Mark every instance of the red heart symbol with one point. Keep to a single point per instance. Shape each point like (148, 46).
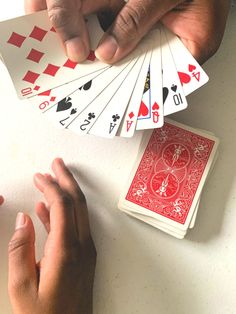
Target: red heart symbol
(143, 110)
(184, 78)
(191, 67)
(155, 106)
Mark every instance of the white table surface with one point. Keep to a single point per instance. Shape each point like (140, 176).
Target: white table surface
(139, 269)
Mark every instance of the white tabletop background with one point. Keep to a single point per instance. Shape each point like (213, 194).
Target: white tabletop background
(139, 269)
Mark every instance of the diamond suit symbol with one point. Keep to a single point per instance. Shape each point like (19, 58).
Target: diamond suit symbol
(16, 39)
(38, 33)
(51, 69)
(35, 55)
(31, 77)
(70, 64)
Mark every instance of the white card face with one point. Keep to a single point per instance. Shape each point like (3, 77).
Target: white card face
(41, 61)
(110, 119)
(63, 112)
(151, 113)
(68, 109)
(84, 121)
(48, 99)
(127, 127)
(191, 75)
(174, 99)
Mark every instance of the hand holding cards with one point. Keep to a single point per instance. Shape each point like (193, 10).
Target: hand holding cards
(93, 97)
(167, 180)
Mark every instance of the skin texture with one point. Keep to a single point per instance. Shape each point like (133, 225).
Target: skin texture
(62, 281)
(1, 199)
(199, 23)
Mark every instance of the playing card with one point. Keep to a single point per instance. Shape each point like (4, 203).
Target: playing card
(110, 119)
(168, 177)
(85, 119)
(63, 112)
(193, 220)
(35, 58)
(151, 113)
(151, 221)
(128, 123)
(49, 98)
(174, 99)
(191, 75)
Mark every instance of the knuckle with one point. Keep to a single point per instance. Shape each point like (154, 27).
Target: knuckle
(129, 20)
(59, 16)
(65, 201)
(16, 244)
(70, 255)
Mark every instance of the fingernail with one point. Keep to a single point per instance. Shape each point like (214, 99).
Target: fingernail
(61, 161)
(39, 176)
(107, 48)
(76, 49)
(20, 220)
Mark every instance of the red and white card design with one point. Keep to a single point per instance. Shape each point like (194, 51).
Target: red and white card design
(35, 58)
(169, 174)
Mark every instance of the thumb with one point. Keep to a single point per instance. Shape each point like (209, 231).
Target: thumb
(22, 279)
(135, 19)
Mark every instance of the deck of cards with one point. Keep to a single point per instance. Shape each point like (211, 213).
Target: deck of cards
(167, 179)
(93, 97)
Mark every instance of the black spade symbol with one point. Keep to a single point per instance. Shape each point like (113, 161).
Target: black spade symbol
(64, 104)
(174, 88)
(165, 93)
(73, 111)
(86, 86)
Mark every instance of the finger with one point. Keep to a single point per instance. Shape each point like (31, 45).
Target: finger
(67, 18)
(35, 5)
(68, 183)
(22, 280)
(61, 208)
(1, 199)
(132, 23)
(43, 214)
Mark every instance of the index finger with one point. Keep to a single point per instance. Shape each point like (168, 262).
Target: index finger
(67, 18)
(68, 183)
(61, 207)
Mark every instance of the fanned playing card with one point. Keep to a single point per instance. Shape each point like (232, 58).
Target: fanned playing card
(151, 113)
(168, 177)
(46, 100)
(128, 124)
(67, 109)
(191, 75)
(35, 58)
(110, 119)
(94, 97)
(174, 99)
(85, 119)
